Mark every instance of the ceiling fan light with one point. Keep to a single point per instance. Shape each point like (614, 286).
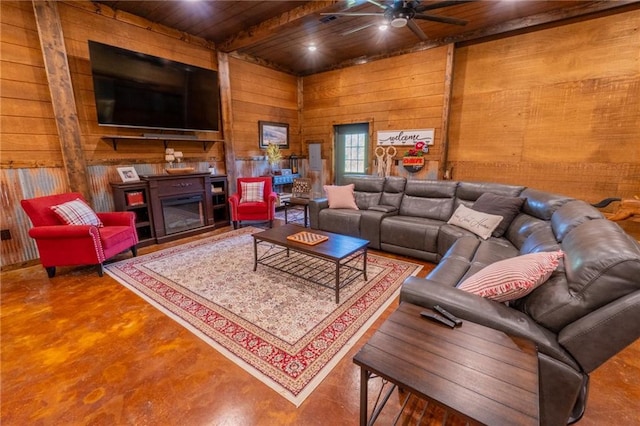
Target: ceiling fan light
(383, 27)
(398, 22)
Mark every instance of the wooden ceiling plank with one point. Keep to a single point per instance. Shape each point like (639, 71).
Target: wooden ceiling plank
(269, 27)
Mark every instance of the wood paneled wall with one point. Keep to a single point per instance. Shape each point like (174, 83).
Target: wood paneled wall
(556, 109)
(402, 92)
(261, 94)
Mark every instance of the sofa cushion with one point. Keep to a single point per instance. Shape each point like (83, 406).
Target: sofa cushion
(367, 189)
(410, 232)
(513, 278)
(481, 224)
(570, 215)
(429, 199)
(341, 197)
(77, 212)
(340, 221)
(602, 264)
(542, 204)
(507, 207)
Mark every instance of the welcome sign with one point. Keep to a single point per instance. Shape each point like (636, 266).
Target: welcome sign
(405, 137)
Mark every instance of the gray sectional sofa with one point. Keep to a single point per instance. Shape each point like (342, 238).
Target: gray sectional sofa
(586, 312)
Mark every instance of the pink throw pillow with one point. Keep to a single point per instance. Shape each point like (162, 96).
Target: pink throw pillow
(512, 278)
(341, 197)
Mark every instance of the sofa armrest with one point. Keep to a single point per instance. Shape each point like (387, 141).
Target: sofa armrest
(272, 202)
(315, 206)
(471, 307)
(370, 221)
(117, 218)
(601, 334)
(57, 232)
(383, 208)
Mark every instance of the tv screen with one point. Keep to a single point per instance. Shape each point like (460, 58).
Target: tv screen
(139, 90)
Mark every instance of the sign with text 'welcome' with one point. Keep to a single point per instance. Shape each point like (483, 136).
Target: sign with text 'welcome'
(405, 137)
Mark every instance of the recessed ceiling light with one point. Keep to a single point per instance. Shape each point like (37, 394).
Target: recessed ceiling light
(383, 27)
(312, 48)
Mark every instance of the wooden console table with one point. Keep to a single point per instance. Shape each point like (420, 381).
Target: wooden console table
(472, 371)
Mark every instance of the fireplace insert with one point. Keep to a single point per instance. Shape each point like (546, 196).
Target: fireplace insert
(182, 213)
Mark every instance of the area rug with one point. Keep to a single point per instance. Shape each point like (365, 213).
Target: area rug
(285, 331)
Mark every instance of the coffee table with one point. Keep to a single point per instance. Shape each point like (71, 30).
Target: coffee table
(333, 263)
(475, 372)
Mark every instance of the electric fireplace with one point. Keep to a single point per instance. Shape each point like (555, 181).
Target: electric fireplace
(182, 214)
(181, 204)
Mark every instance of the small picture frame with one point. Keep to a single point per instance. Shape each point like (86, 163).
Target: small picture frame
(270, 132)
(128, 174)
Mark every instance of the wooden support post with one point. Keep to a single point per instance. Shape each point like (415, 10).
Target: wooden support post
(62, 97)
(227, 121)
(446, 110)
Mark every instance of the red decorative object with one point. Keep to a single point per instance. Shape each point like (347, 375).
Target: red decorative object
(69, 245)
(262, 210)
(135, 198)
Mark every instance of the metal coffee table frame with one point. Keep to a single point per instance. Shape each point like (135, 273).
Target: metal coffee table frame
(334, 263)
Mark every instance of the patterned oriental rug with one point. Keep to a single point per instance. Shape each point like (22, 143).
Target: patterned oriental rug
(285, 331)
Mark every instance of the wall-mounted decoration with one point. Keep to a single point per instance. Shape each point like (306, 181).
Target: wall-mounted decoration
(275, 133)
(413, 160)
(406, 137)
(128, 174)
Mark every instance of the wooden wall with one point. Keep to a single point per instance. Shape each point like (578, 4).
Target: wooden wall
(557, 109)
(30, 153)
(261, 94)
(402, 92)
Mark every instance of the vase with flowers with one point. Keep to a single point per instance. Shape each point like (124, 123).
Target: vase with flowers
(274, 155)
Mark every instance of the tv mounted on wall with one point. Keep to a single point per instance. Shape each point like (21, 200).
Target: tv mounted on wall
(138, 90)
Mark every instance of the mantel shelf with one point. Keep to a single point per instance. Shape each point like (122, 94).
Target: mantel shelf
(164, 138)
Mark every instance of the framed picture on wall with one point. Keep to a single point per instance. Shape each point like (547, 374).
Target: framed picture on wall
(128, 174)
(270, 132)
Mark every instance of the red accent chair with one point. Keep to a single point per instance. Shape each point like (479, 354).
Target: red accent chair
(253, 210)
(60, 244)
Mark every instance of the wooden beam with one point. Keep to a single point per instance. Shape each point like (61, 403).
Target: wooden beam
(227, 120)
(269, 27)
(446, 110)
(62, 97)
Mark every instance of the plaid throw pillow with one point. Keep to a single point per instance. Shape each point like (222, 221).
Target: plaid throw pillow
(77, 212)
(252, 192)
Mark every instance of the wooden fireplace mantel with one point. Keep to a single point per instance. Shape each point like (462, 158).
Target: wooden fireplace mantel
(166, 187)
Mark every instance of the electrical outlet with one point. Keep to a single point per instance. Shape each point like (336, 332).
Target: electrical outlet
(5, 234)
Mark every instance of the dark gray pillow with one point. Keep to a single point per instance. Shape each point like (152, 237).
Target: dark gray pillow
(501, 205)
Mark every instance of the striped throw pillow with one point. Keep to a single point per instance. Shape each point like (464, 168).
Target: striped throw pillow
(513, 278)
(252, 192)
(77, 212)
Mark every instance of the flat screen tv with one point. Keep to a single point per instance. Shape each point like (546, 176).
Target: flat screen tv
(139, 90)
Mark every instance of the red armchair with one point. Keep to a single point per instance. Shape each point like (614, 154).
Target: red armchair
(248, 205)
(60, 244)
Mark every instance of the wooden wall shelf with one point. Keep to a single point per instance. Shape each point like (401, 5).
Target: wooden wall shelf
(164, 138)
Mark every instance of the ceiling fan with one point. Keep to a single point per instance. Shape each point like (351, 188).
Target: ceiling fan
(402, 13)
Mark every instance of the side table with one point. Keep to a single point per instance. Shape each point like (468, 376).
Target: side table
(474, 372)
(296, 203)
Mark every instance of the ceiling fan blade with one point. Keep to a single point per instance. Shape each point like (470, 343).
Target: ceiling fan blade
(417, 30)
(423, 7)
(353, 14)
(442, 19)
(381, 6)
